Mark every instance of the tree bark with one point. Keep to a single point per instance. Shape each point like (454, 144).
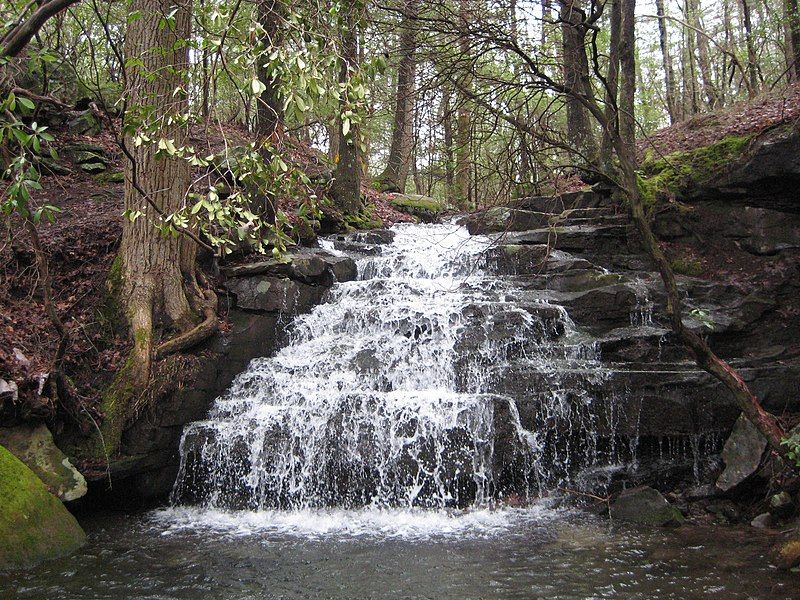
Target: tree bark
(395, 175)
(612, 87)
(703, 53)
(154, 265)
(447, 125)
(463, 135)
(346, 187)
(576, 80)
(669, 71)
(269, 111)
(752, 61)
(793, 37)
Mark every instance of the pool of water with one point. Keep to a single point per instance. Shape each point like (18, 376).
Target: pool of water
(508, 553)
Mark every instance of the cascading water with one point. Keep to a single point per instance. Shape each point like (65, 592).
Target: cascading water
(390, 393)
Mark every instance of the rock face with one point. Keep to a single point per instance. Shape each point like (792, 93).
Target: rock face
(577, 252)
(645, 506)
(34, 446)
(742, 454)
(263, 298)
(34, 525)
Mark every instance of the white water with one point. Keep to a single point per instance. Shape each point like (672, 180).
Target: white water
(381, 405)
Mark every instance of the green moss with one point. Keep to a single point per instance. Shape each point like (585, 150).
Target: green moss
(34, 525)
(678, 172)
(685, 265)
(363, 219)
(110, 177)
(411, 201)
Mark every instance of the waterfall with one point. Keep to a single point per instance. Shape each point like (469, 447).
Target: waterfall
(391, 393)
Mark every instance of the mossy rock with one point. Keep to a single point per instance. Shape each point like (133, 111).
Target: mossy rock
(425, 208)
(34, 446)
(110, 177)
(34, 525)
(685, 265)
(679, 172)
(363, 219)
(93, 168)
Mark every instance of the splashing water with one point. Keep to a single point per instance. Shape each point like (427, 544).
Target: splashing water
(387, 394)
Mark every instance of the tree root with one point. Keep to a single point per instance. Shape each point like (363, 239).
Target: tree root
(196, 335)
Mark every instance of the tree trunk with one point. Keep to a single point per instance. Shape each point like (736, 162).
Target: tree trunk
(154, 265)
(612, 88)
(752, 61)
(394, 177)
(669, 71)
(576, 80)
(793, 37)
(346, 187)
(463, 137)
(703, 52)
(269, 108)
(627, 71)
(447, 125)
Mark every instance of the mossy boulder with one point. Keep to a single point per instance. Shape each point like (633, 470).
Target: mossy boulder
(34, 525)
(425, 208)
(34, 446)
(677, 174)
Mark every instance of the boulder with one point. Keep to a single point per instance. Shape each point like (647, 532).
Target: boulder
(426, 209)
(762, 521)
(741, 454)
(34, 525)
(646, 506)
(84, 123)
(266, 294)
(34, 446)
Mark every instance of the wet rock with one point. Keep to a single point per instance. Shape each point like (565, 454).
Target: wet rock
(34, 446)
(741, 454)
(375, 236)
(309, 269)
(646, 506)
(34, 525)
(762, 521)
(781, 504)
(267, 294)
(343, 267)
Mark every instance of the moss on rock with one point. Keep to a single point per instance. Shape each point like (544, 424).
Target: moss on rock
(34, 525)
(423, 207)
(677, 173)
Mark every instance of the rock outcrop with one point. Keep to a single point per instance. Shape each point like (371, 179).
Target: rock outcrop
(34, 525)
(577, 251)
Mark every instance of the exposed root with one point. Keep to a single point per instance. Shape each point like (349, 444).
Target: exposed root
(198, 334)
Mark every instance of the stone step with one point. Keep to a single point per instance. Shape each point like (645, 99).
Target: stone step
(501, 219)
(557, 204)
(581, 239)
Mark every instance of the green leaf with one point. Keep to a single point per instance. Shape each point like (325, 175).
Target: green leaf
(26, 103)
